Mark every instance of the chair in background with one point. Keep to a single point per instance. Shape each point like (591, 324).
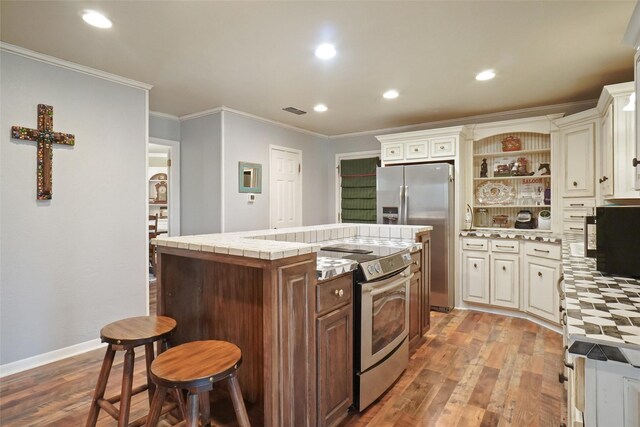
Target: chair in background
(153, 233)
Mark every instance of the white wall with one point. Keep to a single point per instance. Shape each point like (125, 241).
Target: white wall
(77, 262)
(164, 127)
(200, 178)
(247, 139)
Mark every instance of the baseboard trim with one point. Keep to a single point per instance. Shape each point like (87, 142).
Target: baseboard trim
(45, 358)
(509, 313)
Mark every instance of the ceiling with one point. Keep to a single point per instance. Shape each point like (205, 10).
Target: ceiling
(258, 57)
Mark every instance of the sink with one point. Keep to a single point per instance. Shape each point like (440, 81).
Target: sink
(577, 249)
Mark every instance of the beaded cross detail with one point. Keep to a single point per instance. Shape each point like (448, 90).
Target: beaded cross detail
(46, 137)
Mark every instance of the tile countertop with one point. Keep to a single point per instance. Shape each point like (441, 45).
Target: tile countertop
(514, 234)
(284, 243)
(602, 311)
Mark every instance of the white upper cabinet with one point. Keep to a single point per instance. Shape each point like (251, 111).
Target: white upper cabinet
(577, 139)
(632, 38)
(617, 143)
(421, 146)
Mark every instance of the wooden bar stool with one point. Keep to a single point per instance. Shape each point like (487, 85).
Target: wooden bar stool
(195, 367)
(125, 335)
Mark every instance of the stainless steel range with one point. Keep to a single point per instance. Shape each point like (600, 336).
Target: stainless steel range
(381, 313)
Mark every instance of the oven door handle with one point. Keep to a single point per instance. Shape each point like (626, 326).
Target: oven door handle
(383, 289)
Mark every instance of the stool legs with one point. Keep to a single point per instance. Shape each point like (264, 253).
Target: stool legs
(156, 406)
(238, 403)
(205, 409)
(149, 356)
(101, 386)
(192, 409)
(127, 383)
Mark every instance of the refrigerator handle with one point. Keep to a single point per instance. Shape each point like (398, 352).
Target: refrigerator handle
(406, 205)
(400, 208)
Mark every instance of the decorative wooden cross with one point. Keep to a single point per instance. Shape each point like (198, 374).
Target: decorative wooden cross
(45, 136)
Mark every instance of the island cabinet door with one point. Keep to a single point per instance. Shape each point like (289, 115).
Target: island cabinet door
(414, 309)
(335, 365)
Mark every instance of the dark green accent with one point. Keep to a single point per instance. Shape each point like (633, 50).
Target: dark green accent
(359, 190)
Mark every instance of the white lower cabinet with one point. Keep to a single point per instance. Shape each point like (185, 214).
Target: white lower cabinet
(491, 272)
(475, 276)
(612, 394)
(540, 287)
(505, 280)
(509, 273)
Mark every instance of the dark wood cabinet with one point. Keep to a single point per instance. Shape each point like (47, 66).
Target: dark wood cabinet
(334, 334)
(415, 292)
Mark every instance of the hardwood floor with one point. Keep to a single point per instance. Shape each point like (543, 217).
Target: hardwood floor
(475, 369)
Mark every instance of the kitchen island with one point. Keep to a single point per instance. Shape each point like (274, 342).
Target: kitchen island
(258, 290)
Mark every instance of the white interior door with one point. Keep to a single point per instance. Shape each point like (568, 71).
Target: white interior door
(285, 187)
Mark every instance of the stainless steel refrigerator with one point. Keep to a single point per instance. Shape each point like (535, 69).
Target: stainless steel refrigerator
(423, 195)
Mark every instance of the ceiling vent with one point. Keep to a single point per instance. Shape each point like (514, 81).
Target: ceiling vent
(294, 110)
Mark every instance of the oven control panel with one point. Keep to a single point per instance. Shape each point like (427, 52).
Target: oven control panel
(385, 265)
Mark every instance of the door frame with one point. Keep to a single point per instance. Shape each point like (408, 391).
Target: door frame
(338, 181)
(273, 147)
(174, 183)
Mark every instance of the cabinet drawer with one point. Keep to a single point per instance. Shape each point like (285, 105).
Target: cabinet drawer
(512, 246)
(475, 244)
(393, 152)
(542, 250)
(416, 263)
(576, 214)
(443, 147)
(573, 227)
(333, 293)
(579, 203)
(417, 150)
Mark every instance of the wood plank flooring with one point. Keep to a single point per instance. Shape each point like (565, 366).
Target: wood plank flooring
(475, 369)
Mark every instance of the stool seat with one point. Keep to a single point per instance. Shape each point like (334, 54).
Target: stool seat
(196, 364)
(138, 330)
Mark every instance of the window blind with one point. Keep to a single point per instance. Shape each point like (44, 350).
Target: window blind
(358, 184)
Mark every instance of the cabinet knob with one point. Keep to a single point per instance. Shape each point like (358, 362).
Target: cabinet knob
(635, 162)
(475, 265)
(393, 152)
(415, 149)
(539, 274)
(442, 147)
(338, 292)
(562, 378)
(575, 184)
(603, 179)
(504, 268)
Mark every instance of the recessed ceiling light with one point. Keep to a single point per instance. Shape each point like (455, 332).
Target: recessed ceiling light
(391, 94)
(485, 75)
(96, 19)
(326, 51)
(320, 108)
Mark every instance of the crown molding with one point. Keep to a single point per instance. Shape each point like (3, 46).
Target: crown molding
(611, 91)
(200, 114)
(163, 115)
(251, 116)
(51, 60)
(470, 120)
